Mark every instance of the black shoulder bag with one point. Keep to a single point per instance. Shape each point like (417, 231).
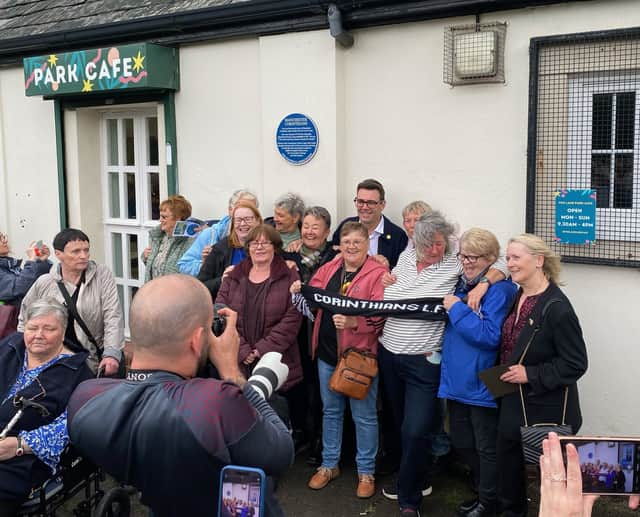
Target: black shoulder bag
(73, 310)
(532, 435)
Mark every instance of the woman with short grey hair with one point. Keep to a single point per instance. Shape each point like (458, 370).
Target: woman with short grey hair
(288, 211)
(36, 365)
(46, 306)
(410, 353)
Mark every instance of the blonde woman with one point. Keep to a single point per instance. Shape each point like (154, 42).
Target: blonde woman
(542, 318)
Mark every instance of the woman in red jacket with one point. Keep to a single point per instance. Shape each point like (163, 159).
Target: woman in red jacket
(352, 273)
(258, 290)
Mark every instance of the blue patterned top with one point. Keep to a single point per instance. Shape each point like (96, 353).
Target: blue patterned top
(48, 441)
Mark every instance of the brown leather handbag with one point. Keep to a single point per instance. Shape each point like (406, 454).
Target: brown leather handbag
(354, 374)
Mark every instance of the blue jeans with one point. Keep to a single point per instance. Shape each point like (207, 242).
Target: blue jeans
(412, 385)
(365, 418)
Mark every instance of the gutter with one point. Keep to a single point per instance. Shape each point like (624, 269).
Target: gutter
(250, 18)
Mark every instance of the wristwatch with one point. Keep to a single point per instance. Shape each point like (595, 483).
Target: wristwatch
(20, 448)
(484, 280)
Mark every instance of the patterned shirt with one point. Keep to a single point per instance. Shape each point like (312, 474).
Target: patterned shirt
(511, 328)
(48, 441)
(413, 337)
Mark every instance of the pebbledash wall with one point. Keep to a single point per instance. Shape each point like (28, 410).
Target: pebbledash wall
(383, 111)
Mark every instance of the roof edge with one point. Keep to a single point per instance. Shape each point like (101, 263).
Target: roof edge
(255, 18)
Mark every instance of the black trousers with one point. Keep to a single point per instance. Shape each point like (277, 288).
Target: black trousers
(474, 431)
(512, 477)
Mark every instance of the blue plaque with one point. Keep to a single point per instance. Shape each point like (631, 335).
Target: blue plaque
(575, 216)
(297, 138)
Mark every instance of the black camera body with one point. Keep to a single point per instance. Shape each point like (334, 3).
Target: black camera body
(219, 321)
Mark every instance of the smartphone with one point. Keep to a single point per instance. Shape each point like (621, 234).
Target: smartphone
(241, 492)
(37, 248)
(609, 466)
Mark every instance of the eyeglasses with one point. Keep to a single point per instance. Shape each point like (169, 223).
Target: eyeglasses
(471, 259)
(370, 203)
(260, 244)
(241, 220)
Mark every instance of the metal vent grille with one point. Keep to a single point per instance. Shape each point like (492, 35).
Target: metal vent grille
(474, 53)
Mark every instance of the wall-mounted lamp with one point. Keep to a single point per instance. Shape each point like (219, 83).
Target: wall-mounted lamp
(474, 54)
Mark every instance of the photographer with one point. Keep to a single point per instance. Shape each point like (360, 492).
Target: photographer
(170, 434)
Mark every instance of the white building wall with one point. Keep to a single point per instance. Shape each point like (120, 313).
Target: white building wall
(28, 166)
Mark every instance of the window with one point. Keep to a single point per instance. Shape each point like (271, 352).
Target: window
(584, 133)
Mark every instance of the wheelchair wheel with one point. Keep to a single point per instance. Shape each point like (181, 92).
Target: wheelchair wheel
(115, 503)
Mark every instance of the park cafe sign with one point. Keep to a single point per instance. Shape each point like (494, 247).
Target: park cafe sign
(139, 66)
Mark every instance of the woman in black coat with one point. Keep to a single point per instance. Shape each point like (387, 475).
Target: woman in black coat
(543, 345)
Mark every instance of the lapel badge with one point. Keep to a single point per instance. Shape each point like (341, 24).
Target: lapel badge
(388, 236)
(530, 322)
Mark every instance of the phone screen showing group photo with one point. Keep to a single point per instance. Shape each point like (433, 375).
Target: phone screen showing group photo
(608, 466)
(241, 494)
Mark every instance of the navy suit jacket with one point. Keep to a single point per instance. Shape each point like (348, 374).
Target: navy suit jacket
(390, 244)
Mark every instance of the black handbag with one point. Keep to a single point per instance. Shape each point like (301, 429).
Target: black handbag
(532, 435)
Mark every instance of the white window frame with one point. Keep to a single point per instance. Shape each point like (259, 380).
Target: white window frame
(611, 223)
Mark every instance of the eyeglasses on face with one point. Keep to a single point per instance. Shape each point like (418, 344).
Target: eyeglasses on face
(471, 259)
(260, 244)
(244, 220)
(355, 242)
(370, 203)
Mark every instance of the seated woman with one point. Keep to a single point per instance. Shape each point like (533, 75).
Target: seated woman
(161, 258)
(36, 366)
(470, 345)
(258, 290)
(352, 273)
(229, 251)
(542, 345)
(17, 277)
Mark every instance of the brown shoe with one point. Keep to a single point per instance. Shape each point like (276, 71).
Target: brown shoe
(366, 486)
(322, 477)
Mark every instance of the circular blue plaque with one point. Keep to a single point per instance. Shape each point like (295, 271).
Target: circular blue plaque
(297, 138)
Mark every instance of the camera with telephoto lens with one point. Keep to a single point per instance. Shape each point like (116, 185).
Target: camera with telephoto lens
(219, 321)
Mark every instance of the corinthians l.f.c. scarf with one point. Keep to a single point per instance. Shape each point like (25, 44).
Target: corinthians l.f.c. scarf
(413, 308)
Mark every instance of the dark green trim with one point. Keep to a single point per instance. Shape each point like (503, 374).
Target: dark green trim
(62, 178)
(171, 139)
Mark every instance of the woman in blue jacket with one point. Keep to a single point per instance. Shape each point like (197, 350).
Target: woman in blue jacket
(17, 277)
(470, 345)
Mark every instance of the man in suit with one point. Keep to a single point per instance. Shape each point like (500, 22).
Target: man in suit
(386, 240)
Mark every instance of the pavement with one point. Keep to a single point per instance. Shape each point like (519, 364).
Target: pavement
(338, 499)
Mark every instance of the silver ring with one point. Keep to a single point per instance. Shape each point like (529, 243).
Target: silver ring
(557, 477)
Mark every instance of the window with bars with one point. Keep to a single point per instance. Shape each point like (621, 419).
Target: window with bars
(584, 133)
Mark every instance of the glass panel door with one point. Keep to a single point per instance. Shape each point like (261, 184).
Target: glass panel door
(132, 183)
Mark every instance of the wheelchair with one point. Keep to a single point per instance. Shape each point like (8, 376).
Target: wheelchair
(75, 475)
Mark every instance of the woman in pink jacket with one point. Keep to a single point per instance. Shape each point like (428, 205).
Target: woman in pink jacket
(352, 273)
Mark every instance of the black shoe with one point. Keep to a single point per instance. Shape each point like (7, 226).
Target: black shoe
(314, 458)
(481, 510)
(467, 506)
(391, 491)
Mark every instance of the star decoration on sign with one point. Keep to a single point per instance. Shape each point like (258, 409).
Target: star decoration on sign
(87, 86)
(53, 60)
(138, 62)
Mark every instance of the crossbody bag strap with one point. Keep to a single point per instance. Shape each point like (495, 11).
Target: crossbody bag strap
(71, 306)
(543, 315)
